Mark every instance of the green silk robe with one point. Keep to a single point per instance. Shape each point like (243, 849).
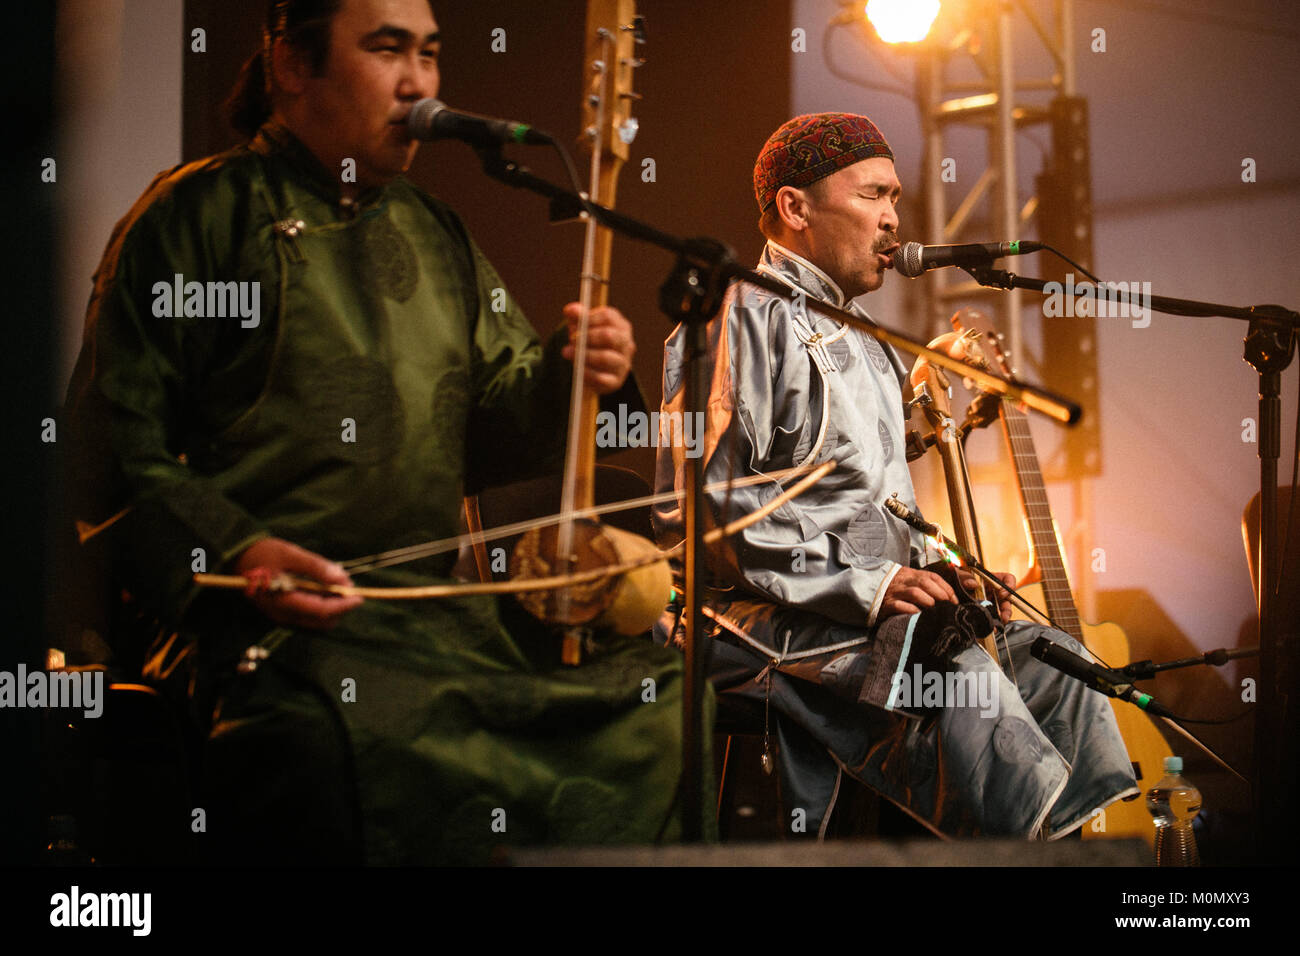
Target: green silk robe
(372, 367)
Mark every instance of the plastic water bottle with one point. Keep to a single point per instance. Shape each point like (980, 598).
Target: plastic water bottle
(1174, 803)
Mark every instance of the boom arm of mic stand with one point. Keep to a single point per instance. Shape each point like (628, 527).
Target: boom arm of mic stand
(1039, 399)
(713, 258)
(1145, 670)
(1272, 315)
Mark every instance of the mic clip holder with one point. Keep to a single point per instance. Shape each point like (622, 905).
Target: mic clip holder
(564, 205)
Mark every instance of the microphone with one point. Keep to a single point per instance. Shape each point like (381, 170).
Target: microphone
(1099, 678)
(431, 119)
(912, 258)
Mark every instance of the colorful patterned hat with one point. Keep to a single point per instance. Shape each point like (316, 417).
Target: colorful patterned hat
(811, 147)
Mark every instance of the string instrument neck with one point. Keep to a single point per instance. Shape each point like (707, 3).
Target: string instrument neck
(1038, 516)
(612, 33)
(932, 381)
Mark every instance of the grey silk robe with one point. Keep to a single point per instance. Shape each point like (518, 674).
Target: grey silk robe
(794, 598)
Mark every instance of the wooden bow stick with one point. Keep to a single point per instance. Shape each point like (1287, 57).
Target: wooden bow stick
(256, 582)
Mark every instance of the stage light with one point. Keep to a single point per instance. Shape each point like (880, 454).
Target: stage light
(902, 21)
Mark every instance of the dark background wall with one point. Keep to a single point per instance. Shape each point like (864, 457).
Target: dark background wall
(26, 359)
(715, 83)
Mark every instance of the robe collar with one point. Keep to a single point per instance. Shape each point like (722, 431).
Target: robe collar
(793, 267)
(275, 140)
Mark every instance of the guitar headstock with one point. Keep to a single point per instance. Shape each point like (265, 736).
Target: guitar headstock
(975, 322)
(614, 37)
(961, 344)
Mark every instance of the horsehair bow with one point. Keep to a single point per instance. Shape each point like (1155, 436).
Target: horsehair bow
(430, 548)
(262, 580)
(86, 531)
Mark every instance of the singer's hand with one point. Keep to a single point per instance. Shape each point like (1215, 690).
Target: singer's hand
(610, 346)
(912, 590)
(1003, 597)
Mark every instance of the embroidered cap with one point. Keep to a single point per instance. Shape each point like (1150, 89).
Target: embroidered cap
(811, 147)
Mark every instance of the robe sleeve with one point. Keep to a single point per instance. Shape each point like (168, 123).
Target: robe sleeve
(517, 428)
(130, 404)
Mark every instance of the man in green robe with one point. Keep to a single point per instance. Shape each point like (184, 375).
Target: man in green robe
(293, 357)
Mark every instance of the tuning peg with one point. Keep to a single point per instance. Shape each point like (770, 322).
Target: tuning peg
(638, 30)
(627, 129)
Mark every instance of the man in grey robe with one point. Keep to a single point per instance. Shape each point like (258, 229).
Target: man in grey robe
(823, 612)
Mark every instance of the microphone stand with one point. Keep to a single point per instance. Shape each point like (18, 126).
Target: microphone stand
(1270, 343)
(1119, 684)
(1145, 670)
(693, 293)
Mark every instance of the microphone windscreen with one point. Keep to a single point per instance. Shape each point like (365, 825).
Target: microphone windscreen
(420, 121)
(907, 259)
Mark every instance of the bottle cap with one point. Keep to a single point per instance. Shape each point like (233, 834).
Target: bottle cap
(1173, 765)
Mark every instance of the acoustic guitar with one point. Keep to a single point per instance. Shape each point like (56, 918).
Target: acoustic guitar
(1147, 748)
